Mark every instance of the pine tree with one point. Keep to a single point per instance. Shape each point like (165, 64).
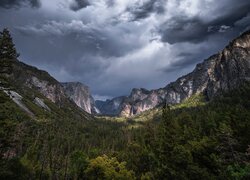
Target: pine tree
(7, 47)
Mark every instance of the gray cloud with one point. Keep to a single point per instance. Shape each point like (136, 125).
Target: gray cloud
(83, 38)
(114, 46)
(79, 4)
(141, 11)
(180, 29)
(18, 3)
(197, 29)
(110, 3)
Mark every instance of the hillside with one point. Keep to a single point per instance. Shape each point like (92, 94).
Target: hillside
(41, 91)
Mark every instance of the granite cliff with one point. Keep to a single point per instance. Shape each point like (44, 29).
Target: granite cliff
(80, 94)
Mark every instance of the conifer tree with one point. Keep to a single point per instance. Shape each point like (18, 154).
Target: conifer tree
(7, 47)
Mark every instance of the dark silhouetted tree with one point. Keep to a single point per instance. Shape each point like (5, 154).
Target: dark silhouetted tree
(7, 47)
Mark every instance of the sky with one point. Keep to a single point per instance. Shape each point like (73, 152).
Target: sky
(116, 45)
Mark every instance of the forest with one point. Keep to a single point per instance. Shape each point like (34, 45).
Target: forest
(209, 142)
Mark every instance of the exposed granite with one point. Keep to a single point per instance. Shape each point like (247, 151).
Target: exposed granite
(80, 94)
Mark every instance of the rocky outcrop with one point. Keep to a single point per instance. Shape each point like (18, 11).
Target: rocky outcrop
(17, 98)
(232, 66)
(219, 73)
(80, 94)
(24, 75)
(40, 102)
(53, 91)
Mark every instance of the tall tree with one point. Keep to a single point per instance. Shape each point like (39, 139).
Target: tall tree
(7, 47)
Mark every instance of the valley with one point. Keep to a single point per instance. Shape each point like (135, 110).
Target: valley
(194, 128)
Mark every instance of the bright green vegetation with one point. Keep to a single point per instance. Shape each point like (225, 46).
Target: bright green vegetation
(194, 101)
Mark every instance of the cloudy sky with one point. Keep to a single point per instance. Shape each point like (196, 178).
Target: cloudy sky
(115, 45)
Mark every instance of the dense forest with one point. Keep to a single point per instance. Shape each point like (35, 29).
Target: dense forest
(193, 140)
(208, 142)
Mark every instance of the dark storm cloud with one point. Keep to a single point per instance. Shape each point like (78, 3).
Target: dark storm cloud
(81, 38)
(146, 9)
(79, 4)
(197, 29)
(180, 29)
(187, 59)
(192, 53)
(18, 3)
(236, 11)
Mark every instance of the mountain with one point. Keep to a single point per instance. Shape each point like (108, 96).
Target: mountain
(36, 92)
(110, 107)
(221, 72)
(80, 94)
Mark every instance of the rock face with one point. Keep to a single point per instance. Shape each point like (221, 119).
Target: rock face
(60, 94)
(17, 98)
(24, 75)
(53, 91)
(41, 103)
(80, 94)
(221, 72)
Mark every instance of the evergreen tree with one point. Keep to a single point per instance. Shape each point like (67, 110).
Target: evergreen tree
(7, 47)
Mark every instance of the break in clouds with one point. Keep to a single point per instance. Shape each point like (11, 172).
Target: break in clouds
(115, 45)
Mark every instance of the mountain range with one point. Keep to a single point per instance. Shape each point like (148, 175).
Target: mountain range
(49, 129)
(221, 72)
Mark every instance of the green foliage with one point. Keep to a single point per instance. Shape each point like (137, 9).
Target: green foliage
(13, 170)
(193, 101)
(78, 164)
(202, 142)
(206, 142)
(104, 167)
(236, 171)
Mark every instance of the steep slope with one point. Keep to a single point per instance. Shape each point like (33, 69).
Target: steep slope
(80, 94)
(221, 72)
(36, 92)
